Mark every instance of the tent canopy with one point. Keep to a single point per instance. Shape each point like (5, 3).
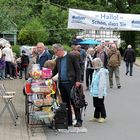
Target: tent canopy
(90, 42)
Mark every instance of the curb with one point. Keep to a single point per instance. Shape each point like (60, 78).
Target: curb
(137, 64)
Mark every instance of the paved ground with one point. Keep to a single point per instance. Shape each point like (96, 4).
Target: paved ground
(123, 113)
(7, 129)
(122, 110)
(137, 62)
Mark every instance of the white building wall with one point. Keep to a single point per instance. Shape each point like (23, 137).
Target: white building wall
(103, 36)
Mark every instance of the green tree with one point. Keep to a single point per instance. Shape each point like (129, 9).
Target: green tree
(53, 14)
(16, 49)
(16, 11)
(55, 21)
(3, 22)
(33, 32)
(127, 6)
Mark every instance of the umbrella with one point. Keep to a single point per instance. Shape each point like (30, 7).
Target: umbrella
(90, 42)
(26, 49)
(76, 41)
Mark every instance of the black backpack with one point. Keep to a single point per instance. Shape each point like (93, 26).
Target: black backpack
(78, 97)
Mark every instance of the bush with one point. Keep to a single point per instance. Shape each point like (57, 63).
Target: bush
(138, 52)
(16, 49)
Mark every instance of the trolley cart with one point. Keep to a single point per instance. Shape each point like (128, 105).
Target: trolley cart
(40, 102)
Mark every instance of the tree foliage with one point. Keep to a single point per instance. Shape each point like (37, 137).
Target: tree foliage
(33, 32)
(127, 6)
(46, 20)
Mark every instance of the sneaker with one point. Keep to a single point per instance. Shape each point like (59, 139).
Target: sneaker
(127, 72)
(78, 124)
(93, 119)
(26, 78)
(119, 86)
(11, 78)
(101, 120)
(87, 88)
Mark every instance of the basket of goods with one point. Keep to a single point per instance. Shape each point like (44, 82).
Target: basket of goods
(45, 89)
(38, 102)
(35, 72)
(49, 111)
(35, 87)
(46, 73)
(44, 102)
(48, 100)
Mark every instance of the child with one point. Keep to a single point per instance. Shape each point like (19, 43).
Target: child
(99, 90)
(51, 64)
(2, 67)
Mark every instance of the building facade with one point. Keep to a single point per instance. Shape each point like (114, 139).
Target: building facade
(102, 36)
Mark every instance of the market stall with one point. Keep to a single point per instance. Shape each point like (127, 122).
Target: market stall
(41, 99)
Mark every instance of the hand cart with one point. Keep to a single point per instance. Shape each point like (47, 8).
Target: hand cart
(40, 102)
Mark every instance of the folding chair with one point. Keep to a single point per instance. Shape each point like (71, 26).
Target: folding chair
(7, 98)
(11, 103)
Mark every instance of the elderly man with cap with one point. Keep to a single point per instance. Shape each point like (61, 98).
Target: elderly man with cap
(43, 54)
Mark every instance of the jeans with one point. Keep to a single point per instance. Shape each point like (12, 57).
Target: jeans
(25, 72)
(127, 67)
(2, 73)
(8, 69)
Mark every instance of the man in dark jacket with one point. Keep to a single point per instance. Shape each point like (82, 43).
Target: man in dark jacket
(129, 58)
(43, 54)
(68, 69)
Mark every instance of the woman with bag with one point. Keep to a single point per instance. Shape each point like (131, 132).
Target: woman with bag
(99, 90)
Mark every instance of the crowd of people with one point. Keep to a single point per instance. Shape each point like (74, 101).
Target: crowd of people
(98, 64)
